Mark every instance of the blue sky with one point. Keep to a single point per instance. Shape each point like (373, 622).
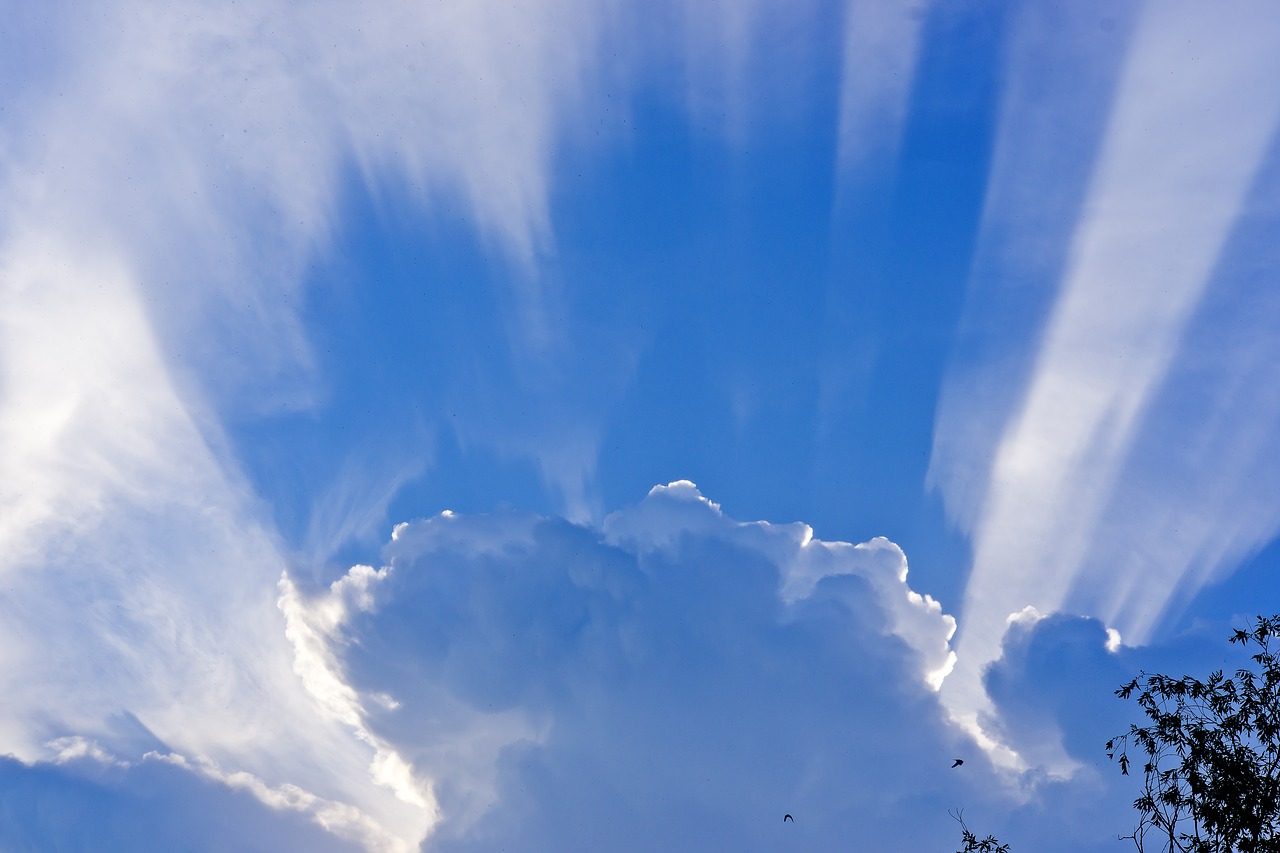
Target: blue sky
(358, 364)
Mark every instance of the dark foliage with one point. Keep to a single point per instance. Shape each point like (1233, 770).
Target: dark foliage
(1210, 755)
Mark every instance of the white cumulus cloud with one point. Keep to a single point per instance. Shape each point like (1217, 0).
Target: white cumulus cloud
(677, 679)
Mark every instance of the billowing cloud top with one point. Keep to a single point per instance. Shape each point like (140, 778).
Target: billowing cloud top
(675, 680)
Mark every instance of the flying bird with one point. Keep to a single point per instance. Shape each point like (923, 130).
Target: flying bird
(787, 817)
(959, 761)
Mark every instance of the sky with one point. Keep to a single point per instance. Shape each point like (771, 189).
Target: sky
(561, 425)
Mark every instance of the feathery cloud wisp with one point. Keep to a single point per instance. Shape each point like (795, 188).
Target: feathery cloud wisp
(1187, 138)
(166, 181)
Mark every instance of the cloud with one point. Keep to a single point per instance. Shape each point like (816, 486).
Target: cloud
(1057, 82)
(1052, 692)
(680, 679)
(881, 44)
(209, 145)
(1187, 138)
(167, 177)
(1053, 685)
(675, 679)
(91, 801)
(354, 506)
(1052, 688)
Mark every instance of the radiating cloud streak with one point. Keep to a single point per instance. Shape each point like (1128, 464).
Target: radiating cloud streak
(1193, 118)
(1058, 81)
(137, 579)
(165, 183)
(881, 44)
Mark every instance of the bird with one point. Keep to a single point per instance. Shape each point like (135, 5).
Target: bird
(787, 817)
(959, 761)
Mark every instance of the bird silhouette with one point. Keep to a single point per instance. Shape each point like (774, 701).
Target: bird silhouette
(959, 761)
(787, 817)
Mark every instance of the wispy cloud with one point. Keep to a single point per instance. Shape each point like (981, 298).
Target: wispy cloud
(881, 45)
(89, 800)
(354, 506)
(165, 182)
(1188, 133)
(167, 177)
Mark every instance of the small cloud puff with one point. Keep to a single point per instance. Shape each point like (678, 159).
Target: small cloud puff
(1053, 694)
